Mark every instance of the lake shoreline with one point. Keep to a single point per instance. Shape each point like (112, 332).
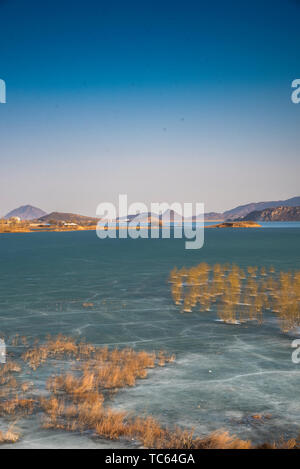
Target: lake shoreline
(94, 227)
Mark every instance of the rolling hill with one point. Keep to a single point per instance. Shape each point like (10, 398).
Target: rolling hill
(57, 217)
(243, 210)
(274, 214)
(26, 212)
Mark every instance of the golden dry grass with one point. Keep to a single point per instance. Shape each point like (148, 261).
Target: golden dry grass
(239, 295)
(12, 392)
(9, 436)
(80, 399)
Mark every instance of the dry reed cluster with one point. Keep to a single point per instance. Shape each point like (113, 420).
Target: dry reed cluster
(12, 400)
(239, 295)
(12, 391)
(79, 399)
(9, 436)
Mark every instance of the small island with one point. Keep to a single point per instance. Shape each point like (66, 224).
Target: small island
(236, 224)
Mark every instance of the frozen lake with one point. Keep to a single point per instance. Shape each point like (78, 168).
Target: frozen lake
(223, 374)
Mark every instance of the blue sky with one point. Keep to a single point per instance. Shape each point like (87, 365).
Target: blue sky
(162, 100)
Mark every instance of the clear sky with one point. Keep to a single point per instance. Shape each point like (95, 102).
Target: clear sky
(163, 100)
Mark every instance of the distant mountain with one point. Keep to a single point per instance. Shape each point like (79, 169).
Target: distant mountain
(56, 217)
(213, 216)
(126, 218)
(26, 212)
(237, 213)
(153, 218)
(146, 218)
(171, 215)
(274, 214)
(243, 210)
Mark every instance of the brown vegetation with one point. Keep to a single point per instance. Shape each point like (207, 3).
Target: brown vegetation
(9, 436)
(239, 295)
(26, 226)
(79, 399)
(235, 224)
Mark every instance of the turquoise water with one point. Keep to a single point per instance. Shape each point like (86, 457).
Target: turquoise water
(222, 375)
(280, 224)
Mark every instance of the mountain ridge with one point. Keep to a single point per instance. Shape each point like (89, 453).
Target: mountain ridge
(280, 213)
(28, 212)
(242, 210)
(68, 218)
(25, 212)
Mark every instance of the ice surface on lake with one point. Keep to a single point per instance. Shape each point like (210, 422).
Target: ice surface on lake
(223, 374)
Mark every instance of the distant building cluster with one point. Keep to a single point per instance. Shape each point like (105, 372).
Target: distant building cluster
(14, 220)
